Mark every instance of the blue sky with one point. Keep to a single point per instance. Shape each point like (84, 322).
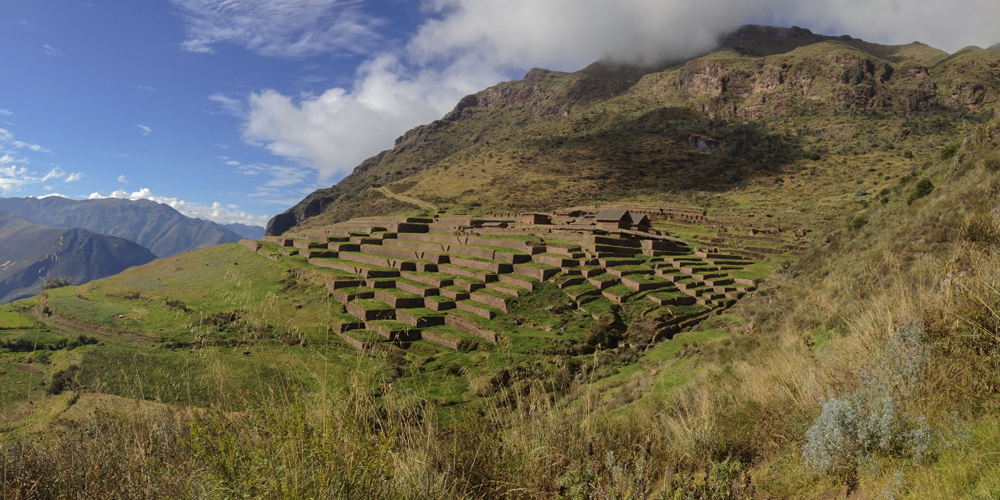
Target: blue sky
(234, 110)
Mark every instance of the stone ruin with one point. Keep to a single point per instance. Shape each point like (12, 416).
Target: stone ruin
(428, 279)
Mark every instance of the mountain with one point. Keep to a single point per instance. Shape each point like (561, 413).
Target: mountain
(612, 132)
(156, 226)
(245, 230)
(31, 253)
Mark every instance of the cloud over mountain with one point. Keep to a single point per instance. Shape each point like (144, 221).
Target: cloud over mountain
(466, 45)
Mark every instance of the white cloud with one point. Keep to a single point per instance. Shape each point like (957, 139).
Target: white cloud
(55, 173)
(50, 195)
(286, 28)
(14, 177)
(467, 45)
(122, 179)
(7, 140)
(147, 88)
(144, 129)
(76, 176)
(232, 106)
(52, 51)
(215, 212)
(6, 112)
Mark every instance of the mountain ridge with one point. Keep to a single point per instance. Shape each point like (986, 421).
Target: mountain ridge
(32, 253)
(607, 131)
(156, 226)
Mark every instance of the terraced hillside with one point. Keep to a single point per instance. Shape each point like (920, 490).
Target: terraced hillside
(452, 280)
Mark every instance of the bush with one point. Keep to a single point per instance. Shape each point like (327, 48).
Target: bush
(59, 282)
(870, 421)
(63, 380)
(923, 188)
(950, 150)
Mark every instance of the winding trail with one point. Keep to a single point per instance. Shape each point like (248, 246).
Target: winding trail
(408, 199)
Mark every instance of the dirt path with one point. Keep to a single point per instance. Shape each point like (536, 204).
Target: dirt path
(408, 199)
(72, 328)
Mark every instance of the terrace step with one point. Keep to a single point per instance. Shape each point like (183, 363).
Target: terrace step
(393, 330)
(370, 310)
(603, 284)
(416, 319)
(641, 285)
(435, 281)
(438, 303)
(576, 280)
(454, 294)
(506, 288)
(398, 299)
(477, 308)
(493, 299)
(525, 282)
(539, 272)
(360, 339)
(345, 295)
(478, 274)
(469, 326)
(676, 300)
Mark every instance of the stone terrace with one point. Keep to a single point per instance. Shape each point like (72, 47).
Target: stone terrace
(444, 279)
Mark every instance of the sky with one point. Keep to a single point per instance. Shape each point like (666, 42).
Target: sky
(234, 110)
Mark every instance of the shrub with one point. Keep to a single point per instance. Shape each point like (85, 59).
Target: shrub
(950, 150)
(858, 222)
(63, 380)
(923, 188)
(870, 421)
(59, 282)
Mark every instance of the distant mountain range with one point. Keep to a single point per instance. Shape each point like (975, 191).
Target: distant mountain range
(246, 231)
(158, 227)
(31, 253)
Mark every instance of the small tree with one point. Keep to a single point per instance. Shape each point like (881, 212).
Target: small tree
(59, 282)
(923, 188)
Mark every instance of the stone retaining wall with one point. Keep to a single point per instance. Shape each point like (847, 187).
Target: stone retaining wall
(470, 327)
(478, 311)
(490, 300)
(537, 273)
(418, 321)
(399, 302)
(374, 314)
(448, 342)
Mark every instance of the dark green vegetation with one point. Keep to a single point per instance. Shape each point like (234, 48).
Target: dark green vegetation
(866, 364)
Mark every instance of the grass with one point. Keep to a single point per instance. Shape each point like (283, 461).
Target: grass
(91, 312)
(14, 321)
